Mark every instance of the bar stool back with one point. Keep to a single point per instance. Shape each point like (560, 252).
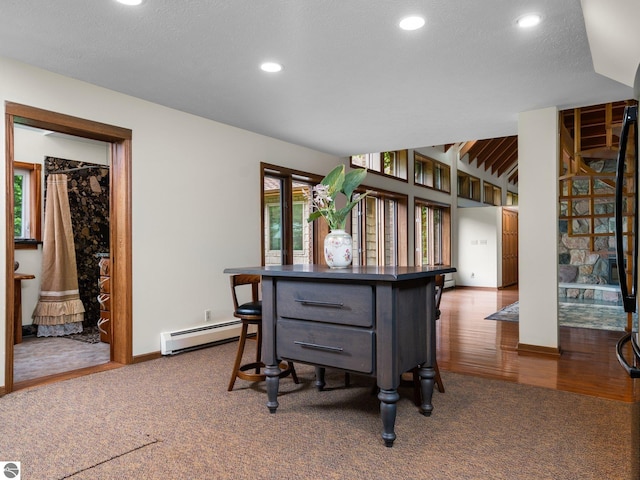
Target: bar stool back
(250, 313)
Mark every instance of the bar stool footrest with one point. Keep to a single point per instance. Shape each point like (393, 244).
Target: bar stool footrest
(258, 377)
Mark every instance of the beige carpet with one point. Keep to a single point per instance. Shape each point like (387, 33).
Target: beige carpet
(173, 418)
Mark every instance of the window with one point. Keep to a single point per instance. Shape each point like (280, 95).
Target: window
(512, 198)
(379, 230)
(27, 193)
(288, 237)
(393, 164)
(433, 233)
(587, 208)
(492, 194)
(275, 225)
(469, 187)
(431, 173)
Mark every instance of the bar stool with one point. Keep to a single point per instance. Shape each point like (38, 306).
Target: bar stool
(250, 313)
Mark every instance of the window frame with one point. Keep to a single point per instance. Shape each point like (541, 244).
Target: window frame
(434, 163)
(399, 233)
(445, 234)
(495, 194)
(474, 194)
(374, 163)
(35, 205)
(319, 229)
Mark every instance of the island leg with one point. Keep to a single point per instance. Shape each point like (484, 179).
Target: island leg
(273, 383)
(320, 383)
(427, 379)
(388, 400)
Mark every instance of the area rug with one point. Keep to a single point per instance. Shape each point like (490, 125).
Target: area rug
(88, 335)
(579, 315)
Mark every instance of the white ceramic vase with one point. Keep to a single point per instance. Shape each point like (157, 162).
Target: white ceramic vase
(338, 249)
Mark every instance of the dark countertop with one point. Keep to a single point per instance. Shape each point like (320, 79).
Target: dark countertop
(353, 272)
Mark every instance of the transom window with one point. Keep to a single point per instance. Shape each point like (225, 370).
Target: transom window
(492, 194)
(393, 164)
(469, 187)
(431, 173)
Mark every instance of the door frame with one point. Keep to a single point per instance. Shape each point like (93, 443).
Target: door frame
(119, 221)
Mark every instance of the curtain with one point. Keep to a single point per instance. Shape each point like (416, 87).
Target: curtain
(59, 310)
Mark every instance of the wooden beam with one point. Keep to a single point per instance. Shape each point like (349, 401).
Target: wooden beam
(494, 149)
(508, 163)
(466, 147)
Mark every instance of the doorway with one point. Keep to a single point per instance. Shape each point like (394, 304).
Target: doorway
(119, 140)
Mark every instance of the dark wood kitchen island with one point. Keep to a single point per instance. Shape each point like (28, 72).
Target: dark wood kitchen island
(377, 321)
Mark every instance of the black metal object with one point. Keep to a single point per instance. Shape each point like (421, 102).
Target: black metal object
(632, 371)
(629, 291)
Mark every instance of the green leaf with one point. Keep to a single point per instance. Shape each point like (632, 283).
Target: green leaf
(314, 215)
(353, 203)
(352, 180)
(334, 180)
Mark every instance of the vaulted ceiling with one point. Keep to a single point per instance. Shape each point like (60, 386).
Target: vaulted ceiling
(591, 132)
(498, 155)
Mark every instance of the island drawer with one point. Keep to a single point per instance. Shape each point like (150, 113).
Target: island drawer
(326, 302)
(326, 345)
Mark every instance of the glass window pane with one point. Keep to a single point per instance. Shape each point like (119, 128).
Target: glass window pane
(302, 230)
(389, 160)
(359, 160)
(272, 221)
(417, 172)
(371, 231)
(18, 210)
(298, 226)
(274, 227)
(390, 233)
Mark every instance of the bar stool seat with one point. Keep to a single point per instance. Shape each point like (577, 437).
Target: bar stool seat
(250, 313)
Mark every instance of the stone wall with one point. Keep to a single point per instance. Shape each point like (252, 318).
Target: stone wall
(578, 264)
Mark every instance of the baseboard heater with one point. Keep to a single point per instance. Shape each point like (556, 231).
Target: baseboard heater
(180, 341)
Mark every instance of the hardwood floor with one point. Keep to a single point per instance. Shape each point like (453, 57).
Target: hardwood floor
(469, 344)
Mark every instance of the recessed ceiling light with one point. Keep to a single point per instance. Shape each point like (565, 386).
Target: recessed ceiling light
(130, 2)
(411, 23)
(529, 20)
(271, 67)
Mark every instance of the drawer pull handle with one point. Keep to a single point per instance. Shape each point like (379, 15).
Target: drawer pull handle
(321, 304)
(319, 347)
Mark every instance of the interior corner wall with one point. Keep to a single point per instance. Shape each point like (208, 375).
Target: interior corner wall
(538, 151)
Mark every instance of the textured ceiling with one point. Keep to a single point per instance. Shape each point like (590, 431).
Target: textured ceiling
(353, 82)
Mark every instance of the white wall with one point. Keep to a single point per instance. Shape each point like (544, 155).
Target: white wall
(32, 146)
(187, 173)
(479, 243)
(538, 153)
